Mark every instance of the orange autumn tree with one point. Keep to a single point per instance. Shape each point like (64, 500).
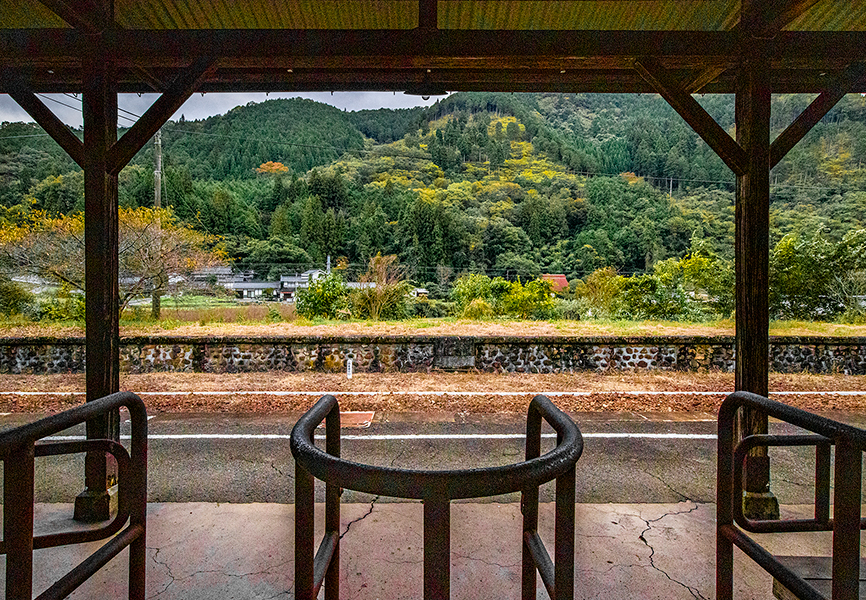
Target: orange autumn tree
(272, 168)
(156, 253)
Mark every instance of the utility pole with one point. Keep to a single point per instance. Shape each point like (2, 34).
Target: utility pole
(157, 204)
(157, 174)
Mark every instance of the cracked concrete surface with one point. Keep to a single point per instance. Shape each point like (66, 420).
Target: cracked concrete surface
(667, 485)
(280, 471)
(361, 518)
(649, 525)
(204, 551)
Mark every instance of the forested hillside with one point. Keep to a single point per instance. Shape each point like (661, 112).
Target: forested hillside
(510, 184)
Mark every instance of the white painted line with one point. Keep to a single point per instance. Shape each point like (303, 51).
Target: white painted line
(148, 418)
(446, 393)
(399, 437)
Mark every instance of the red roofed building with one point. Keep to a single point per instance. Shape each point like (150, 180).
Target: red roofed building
(558, 282)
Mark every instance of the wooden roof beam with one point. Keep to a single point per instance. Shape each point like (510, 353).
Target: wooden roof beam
(80, 14)
(762, 19)
(170, 48)
(786, 12)
(428, 14)
(796, 131)
(693, 114)
(160, 111)
(697, 82)
(150, 79)
(59, 132)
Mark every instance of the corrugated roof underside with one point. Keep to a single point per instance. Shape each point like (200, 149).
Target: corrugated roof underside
(264, 14)
(832, 15)
(598, 15)
(27, 14)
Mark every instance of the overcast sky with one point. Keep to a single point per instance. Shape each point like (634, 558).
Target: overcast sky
(199, 107)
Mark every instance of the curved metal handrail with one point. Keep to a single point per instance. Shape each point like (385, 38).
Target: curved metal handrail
(18, 449)
(436, 489)
(451, 484)
(732, 525)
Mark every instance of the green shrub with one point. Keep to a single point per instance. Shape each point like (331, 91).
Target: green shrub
(532, 300)
(274, 315)
(478, 309)
(570, 310)
(375, 303)
(853, 316)
(470, 287)
(598, 292)
(324, 298)
(432, 309)
(647, 297)
(62, 305)
(384, 291)
(14, 299)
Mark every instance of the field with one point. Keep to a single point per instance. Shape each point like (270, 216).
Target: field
(459, 393)
(276, 319)
(462, 394)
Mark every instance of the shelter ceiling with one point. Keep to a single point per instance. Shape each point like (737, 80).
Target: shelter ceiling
(526, 15)
(494, 45)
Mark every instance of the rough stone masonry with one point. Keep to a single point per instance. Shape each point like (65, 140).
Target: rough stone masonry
(424, 353)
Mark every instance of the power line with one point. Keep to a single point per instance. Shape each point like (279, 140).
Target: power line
(55, 100)
(284, 143)
(128, 112)
(123, 110)
(76, 108)
(12, 137)
(416, 156)
(727, 182)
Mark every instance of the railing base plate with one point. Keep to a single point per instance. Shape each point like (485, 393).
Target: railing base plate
(760, 506)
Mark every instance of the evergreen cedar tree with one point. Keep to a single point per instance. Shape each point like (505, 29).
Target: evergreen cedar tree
(513, 185)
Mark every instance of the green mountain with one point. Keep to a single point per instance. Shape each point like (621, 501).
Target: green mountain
(27, 156)
(299, 133)
(513, 184)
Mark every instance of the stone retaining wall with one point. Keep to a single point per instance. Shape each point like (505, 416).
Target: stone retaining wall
(424, 353)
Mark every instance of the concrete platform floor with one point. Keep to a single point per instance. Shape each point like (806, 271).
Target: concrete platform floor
(245, 551)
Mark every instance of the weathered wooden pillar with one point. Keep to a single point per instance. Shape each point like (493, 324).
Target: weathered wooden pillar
(752, 246)
(101, 271)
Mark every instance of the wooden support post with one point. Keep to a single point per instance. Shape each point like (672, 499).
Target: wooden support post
(752, 271)
(104, 157)
(101, 273)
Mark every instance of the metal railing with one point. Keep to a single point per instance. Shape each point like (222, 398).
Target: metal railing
(846, 523)
(436, 489)
(18, 449)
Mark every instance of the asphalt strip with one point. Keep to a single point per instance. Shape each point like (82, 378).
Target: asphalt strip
(444, 393)
(399, 437)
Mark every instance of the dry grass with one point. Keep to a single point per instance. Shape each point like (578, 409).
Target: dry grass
(250, 321)
(597, 392)
(600, 392)
(227, 314)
